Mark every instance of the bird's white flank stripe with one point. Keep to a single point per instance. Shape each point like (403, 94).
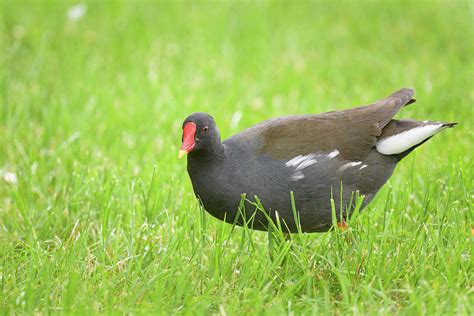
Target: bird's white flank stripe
(400, 142)
(300, 162)
(362, 167)
(333, 154)
(306, 163)
(295, 161)
(349, 164)
(297, 176)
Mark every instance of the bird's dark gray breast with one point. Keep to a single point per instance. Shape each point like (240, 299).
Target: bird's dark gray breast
(221, 187)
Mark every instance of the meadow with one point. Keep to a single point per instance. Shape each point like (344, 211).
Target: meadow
(98, 216)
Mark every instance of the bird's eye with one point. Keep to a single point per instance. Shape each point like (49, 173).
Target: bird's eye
(205, 129)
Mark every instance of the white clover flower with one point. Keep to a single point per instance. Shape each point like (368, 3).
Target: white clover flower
(76, 12)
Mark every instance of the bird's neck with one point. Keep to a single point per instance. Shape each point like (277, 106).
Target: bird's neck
(212, 155)
(205, 169)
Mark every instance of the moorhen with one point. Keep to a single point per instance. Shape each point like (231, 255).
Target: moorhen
(317, 157)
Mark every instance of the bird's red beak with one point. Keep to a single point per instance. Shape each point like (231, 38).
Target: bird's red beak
(189, 131)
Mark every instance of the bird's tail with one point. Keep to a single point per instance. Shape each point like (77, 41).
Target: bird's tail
(400, 137)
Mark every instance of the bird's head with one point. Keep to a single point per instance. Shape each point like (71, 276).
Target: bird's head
(200, 135)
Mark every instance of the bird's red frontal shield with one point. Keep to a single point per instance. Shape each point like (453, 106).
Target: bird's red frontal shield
(189, 132)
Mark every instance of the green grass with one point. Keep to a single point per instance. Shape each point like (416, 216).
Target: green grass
(103, 219)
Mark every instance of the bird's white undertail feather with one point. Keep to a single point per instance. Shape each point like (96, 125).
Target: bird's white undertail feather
(399, 143)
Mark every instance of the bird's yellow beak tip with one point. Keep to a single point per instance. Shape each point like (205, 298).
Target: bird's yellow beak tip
(181, 153)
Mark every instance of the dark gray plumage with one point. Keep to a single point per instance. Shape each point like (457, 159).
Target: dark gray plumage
(312, 155)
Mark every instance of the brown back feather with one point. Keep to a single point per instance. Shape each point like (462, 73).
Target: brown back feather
(353, 132)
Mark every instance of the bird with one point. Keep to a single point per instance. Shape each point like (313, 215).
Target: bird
(310, 165)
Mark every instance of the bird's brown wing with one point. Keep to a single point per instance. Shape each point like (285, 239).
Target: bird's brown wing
(352, 132)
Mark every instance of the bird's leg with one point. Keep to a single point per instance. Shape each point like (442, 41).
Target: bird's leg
(342, 225)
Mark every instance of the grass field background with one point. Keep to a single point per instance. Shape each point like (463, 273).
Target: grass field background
(97, 215)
